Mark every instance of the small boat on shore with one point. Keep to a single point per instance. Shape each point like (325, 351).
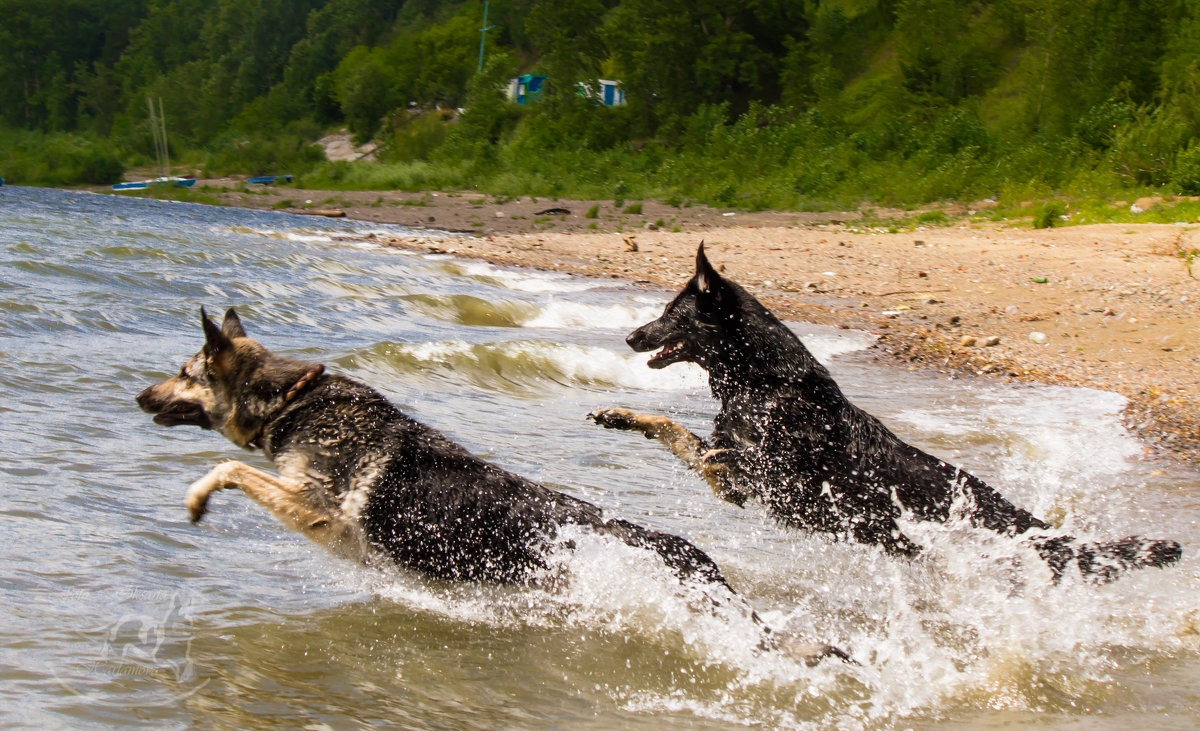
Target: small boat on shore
(269, 179)
(156, 183)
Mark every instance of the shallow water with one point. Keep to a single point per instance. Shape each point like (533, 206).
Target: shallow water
(117, 611)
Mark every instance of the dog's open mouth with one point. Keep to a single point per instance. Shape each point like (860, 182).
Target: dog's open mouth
(668, 355)
(183, 413)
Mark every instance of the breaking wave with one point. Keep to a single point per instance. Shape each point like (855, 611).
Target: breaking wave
(526, 365)
(552, 314)
(518, 280)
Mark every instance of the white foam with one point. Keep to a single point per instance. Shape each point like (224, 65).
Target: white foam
(289, 235)
(631, 371)
(358, 237)
(564, 314)
(827, 345)
(437, 352)
(307, 237)
(524, 281)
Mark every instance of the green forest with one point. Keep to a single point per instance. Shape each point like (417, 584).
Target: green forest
(756, 104)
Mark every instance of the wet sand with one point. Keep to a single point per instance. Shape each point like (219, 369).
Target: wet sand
(1108, 306)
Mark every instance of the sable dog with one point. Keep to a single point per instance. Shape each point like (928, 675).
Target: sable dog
(786, 436)
(362, 479)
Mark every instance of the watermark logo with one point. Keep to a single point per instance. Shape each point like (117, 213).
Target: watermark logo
(147, 651)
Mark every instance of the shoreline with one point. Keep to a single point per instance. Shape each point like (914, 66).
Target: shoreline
(1162, 408)
(1106, 306)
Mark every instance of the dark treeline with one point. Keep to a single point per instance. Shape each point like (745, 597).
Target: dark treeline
(757, 103)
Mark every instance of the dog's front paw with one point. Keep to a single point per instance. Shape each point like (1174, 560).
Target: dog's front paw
(199, 491)
(616, 418)
(197, 501)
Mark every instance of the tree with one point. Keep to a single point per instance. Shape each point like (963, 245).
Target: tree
(365, 91)
(675, 55)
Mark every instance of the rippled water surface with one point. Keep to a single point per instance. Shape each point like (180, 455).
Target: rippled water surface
(115, 610)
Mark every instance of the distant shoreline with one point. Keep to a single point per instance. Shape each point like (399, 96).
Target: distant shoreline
(1108, 306)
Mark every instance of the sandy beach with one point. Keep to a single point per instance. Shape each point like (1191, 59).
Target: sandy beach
(1111, 306)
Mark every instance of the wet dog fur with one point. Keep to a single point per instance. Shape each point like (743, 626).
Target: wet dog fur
(786, 435)
(359, 477)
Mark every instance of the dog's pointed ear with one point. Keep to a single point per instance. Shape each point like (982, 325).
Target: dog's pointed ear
(217, 346)
(706, 276)
(232, 326)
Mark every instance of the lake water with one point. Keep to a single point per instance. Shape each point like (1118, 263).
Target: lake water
(114, 610)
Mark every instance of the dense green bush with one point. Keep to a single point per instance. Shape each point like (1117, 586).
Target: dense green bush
(286, 152)
(386, 176)
(1186, 172)
(415, 137)
(1144, 149)
(1098, 127)
(33, 158)
(1049, 214)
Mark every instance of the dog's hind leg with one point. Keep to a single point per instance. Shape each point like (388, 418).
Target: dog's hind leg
(685, 445)
(294, 504)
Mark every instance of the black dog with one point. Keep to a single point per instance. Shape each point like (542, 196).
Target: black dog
(361, 478)
(787, 436)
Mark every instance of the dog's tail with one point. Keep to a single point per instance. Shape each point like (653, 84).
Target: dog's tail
(1105, 561)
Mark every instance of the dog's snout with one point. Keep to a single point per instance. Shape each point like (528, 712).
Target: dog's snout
(145, 399)
(638, 340)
